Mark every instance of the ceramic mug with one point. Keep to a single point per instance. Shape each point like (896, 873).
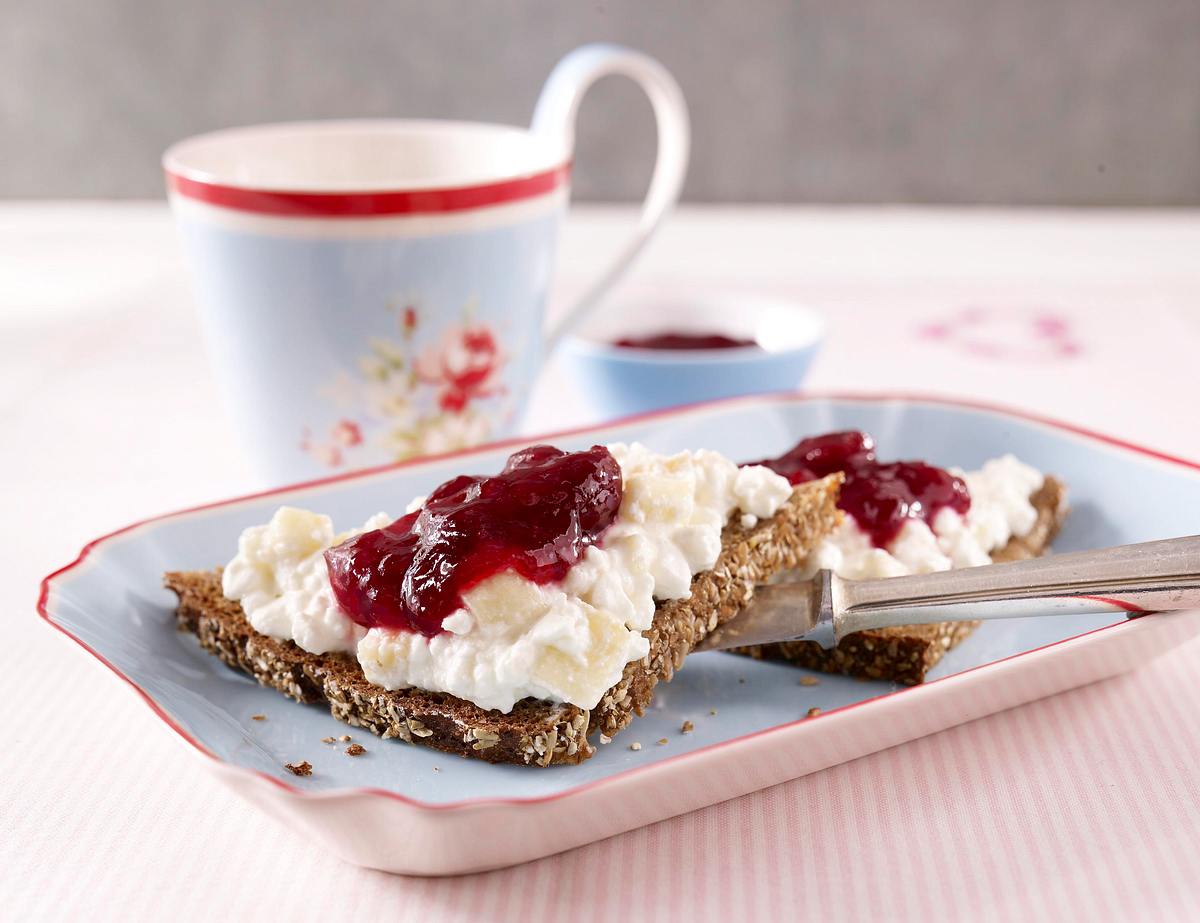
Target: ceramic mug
(375, 290)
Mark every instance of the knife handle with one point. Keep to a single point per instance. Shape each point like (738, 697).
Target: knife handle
(1148, 577)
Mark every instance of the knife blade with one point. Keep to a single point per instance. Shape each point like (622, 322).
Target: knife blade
(1137, 579)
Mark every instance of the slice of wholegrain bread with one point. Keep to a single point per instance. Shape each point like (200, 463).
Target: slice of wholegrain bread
(905, 653)
(534, 732)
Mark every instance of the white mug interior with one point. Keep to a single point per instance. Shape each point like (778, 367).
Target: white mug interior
(365, 155)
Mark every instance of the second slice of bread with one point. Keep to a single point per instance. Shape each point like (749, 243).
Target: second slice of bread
(906, 653)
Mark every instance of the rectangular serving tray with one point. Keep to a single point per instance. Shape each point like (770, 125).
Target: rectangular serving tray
(406, 809)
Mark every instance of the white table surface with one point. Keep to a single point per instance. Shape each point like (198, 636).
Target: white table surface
(108, 414)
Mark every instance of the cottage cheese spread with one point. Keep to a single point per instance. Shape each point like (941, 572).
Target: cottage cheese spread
(1000, 509)
(279, 577)
(512, 639)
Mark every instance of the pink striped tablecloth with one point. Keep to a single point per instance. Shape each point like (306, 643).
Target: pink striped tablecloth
(1083, 806)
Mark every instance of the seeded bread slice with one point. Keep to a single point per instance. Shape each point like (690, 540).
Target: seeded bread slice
(906, 653)
(534, 732)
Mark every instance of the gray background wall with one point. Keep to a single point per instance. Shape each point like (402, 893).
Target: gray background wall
(991, 101)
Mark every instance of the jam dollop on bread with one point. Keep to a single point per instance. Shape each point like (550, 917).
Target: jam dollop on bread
(537, 517)
(881, 496)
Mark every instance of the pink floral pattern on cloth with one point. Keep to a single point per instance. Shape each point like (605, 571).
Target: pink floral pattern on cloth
(415, 401)
(1007, 334)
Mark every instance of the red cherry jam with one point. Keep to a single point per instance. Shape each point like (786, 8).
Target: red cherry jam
(536, 517)
(684, 341)
(880, 496)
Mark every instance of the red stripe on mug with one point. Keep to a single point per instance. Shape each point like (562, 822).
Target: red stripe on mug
(369, 204)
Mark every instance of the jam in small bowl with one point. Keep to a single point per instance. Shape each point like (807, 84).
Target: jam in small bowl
(650, 353)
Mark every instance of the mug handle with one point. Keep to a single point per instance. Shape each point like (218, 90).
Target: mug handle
(554, 116)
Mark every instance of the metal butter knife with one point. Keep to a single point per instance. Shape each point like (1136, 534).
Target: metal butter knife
(1149, 577)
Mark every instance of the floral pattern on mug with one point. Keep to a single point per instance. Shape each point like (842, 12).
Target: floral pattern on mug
(464, 365)
(415, 402)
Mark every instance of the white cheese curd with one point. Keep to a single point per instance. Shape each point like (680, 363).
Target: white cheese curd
(567, 641)
(570, 642)
(280, 578)
(1000, 509)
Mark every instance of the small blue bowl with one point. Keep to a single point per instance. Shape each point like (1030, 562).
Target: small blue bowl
(623, 380)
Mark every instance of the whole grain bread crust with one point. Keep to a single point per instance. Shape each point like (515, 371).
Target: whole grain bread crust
(534, 732)
(906, 653)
